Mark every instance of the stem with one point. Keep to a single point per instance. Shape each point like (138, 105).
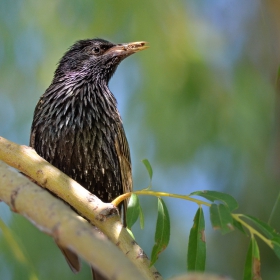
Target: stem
(120, 198)
(252, 230)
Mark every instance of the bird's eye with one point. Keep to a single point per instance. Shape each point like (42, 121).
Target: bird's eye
(96, 50)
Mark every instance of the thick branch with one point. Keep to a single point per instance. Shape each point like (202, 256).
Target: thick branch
(103, 215)
(58, 220)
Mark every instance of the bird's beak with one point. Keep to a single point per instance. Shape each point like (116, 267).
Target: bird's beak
(128, 48)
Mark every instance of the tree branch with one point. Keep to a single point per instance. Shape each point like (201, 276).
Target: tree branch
(103, 215)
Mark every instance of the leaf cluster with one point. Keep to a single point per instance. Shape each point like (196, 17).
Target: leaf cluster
(222, 217)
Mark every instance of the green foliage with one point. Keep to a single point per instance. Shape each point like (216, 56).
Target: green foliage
(266, 229)
(218, 196)
(196, 257)
(141, 217)
(148, 167)
(222, 218)
(133, 211)
(162, 234)
(269, 232)
(252, 265)
(276, 246)
(240, 227)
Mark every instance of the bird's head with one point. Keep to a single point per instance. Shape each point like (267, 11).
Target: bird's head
(95, 59)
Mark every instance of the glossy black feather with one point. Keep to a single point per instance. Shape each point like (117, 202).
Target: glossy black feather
(77, 126)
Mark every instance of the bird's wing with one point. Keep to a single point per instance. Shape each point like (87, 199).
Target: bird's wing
(96, 275)
(33, 129)
(71, 258)
(125, 164)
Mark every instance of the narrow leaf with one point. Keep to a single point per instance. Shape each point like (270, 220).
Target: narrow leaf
(131, 233)
(265, 228)
(221, 218)
(256, 260)
(253, 264)
(223, 197)
(162, 234)
(148, 167)
(248, 272)
(197, 246)
(133, 210)
(256, 251)
(215, 217)
(226, 219)
(269, 232)
(141, 216)
(239, 226)
(276, 247)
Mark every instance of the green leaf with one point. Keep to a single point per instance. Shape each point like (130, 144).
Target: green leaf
(239, 226)
(221, 218)
(256, 251)
(226, 218)
(148, 167)
(215, 217)
(131, 233)
(162, 234)
(268, 231)
(248, 273)
(133, 210)
(252, 268)
(276, 246)
(196, 257)
(265, 228)
(141, 216)
(223, 197)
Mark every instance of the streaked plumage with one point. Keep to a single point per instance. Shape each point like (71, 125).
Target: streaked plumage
(77, 126)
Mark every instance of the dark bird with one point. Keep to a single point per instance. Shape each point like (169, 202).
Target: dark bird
(77, 126)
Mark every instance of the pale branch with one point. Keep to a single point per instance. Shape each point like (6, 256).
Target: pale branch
(103, 215)
(55, 218)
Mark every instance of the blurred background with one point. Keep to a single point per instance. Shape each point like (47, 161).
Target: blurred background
(200, 104)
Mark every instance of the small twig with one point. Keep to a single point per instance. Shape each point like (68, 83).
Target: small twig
(120, 198)
(251, 230)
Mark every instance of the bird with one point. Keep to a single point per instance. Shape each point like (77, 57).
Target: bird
(77, 126)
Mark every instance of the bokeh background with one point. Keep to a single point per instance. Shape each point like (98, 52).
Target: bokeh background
(200, 104)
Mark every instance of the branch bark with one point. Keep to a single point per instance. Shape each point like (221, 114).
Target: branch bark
(103, 215)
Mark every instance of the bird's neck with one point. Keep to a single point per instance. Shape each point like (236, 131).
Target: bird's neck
(81, 99)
